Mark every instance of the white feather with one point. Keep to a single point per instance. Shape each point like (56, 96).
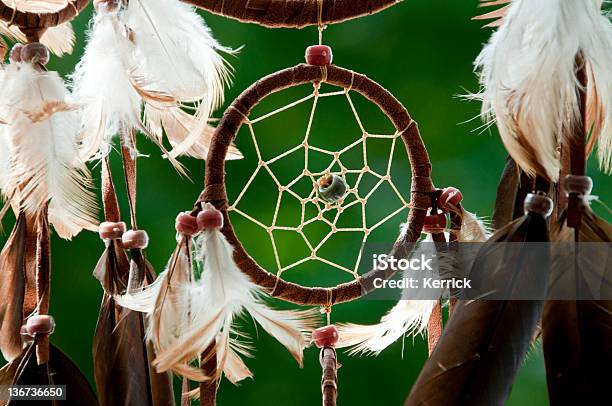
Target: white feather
(406, 317)
(181, 60)
(45, 166)
(473, 229)
(527, 73)
(102, 84)
(225, 293)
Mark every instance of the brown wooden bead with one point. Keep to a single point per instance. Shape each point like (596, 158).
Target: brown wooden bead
(15, 55)
(135, 239)
(578, 184)
(111, 231)
(325, 336)
(40, 324)
(536, 203)
(187, 224)
(35, 53)
(319, 55)
(210, 218)
(450, 198)
(434, 223)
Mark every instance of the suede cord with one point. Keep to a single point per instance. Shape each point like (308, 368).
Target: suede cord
(40, 21)
(292, 13)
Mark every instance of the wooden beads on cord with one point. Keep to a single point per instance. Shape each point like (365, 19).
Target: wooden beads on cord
(36, 325)
(325, 336)
(111, 230)
(35, 53)
(208, 219)
(538, 203)
(135, 239)
(319, 55)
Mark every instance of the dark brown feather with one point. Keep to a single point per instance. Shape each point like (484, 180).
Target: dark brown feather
(122, 359)
(577, 334)
(485, 341)
(60, 370)
(12, 290)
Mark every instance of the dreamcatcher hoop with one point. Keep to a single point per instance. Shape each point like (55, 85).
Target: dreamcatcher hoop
(423, 191)
(293, 13)
(40, 20)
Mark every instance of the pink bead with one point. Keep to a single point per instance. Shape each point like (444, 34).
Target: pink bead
(15, 55)
(187, 224)
(450, 198)
(325, 336)
(210, 218)
(111, 231)
(35, 53)
(135, 239)
(319, 55)
(40, 324)
(434, 223)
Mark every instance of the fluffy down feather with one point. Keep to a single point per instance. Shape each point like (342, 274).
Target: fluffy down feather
(226, 293)
(181, 60)
(527, 72)
(102, 85)
(44, 165)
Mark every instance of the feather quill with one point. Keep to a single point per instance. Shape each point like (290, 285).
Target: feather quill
(226, 293)
(528, 80)
(42, 131)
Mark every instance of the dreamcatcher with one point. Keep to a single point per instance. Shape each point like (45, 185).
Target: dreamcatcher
(203, 345)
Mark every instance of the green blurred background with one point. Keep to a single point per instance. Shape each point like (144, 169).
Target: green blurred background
(421, 51)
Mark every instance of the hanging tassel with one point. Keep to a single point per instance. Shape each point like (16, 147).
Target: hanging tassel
(494, 334)
(525, 70)
(42, 132)
(577, 331)
(225, 292)
(122, 359)
(141, 58)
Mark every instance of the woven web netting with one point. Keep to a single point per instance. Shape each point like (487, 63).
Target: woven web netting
(281, 203)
